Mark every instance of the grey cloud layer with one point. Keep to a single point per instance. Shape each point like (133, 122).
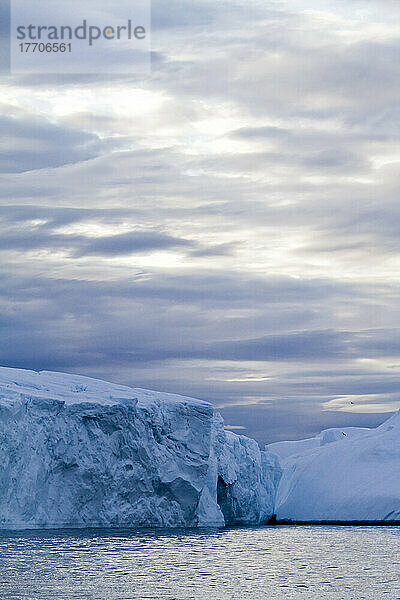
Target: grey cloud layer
(266, 179)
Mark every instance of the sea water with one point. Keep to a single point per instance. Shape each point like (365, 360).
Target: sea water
(288, 562)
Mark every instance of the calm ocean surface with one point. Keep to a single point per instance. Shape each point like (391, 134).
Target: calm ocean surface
(271, 562)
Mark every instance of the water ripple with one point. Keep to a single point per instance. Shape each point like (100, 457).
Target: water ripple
(271, 563)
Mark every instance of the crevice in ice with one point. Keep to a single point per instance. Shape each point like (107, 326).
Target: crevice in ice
(226, 501)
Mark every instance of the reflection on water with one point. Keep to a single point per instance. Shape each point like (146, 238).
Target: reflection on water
(271, 562)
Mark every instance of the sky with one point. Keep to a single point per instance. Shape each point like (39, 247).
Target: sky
(226, 227)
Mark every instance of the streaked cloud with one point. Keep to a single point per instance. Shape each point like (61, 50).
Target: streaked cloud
(226, 228)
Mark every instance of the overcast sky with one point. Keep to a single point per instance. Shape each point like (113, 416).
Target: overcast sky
(227, 228)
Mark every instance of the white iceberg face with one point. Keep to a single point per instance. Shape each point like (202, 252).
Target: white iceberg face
(246, 477)
(352, 477)
(79, 452)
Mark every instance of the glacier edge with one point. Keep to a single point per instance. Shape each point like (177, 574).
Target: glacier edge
(78, 452)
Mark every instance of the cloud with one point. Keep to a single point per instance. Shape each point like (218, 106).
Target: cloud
(272, 424)
(51, 218)
(216, 250)
(5, 36)
(136, 242)
(226, 228)
(308, 345)
(132, 243)
(30, 142)
(182, 14)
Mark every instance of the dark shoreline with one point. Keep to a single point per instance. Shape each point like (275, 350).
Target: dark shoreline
(341, 523)
(124, 529)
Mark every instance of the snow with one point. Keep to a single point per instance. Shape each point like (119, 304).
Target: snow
(80, 452)
(73, 389)
(327, 436)
(342, 478)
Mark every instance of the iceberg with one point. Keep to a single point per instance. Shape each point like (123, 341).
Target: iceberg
(342, 475)
(327, 436)
(80, 452)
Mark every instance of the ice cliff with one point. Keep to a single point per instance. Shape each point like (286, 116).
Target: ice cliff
(341, 475)
(79, 452)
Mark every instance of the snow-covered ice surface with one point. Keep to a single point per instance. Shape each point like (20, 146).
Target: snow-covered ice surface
(335, 477)
(79, 452)
(327, 436)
